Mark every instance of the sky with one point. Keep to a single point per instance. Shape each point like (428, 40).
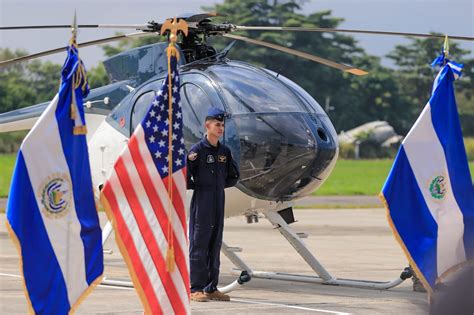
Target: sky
(455, 17)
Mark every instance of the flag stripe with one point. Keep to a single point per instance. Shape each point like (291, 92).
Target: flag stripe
(450, 135)
(143, 187)
(147, 234)
(422, 145)
(25, 219)
(83, 194)
(160, 190)
(159, 208)
(417, 229)
(156, 286)
(42, 164)
(160, 187)
(124, 234)
(177, 197)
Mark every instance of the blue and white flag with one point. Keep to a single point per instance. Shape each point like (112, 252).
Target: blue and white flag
(428, 193)
(51, 211)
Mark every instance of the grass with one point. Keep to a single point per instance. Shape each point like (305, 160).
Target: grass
(7, 161)
(359, 177)
(350, 177)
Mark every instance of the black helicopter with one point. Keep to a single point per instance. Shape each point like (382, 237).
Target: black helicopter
(283, 140)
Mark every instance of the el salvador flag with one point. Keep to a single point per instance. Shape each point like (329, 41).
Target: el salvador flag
(429, 193)
(51, 212)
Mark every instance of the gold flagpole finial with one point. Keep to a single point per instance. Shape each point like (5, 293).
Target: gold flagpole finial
(446, 46)
(173, 25)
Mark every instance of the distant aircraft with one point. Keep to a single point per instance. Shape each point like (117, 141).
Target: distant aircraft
(377, 131)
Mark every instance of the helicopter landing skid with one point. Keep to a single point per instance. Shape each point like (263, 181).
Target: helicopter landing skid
(323, 276)
(243, 276)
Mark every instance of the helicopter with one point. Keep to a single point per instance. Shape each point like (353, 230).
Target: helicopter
(282, 139)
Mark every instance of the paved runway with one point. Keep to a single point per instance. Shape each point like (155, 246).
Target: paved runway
(355, 244)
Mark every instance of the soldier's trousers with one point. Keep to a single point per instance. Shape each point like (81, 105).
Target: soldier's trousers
(206, 225)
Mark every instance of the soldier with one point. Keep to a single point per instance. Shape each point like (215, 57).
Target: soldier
(210, 169)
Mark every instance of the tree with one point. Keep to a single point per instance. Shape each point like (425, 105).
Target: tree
(415, 77)
(356, 100)
(26, 83)
(97, 76)
(44, 79)
(14, 90)
(375, 96)
(129, 43)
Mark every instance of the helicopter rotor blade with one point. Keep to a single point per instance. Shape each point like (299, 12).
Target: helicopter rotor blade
(32, 27)
(84, 44)
(335, 30)
(301, 54)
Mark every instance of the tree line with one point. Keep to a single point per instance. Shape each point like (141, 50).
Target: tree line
(396, 94)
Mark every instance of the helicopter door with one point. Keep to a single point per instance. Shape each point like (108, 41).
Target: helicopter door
(140, 108)
(197, 95)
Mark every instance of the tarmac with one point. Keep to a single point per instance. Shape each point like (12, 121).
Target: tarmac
(350, 243)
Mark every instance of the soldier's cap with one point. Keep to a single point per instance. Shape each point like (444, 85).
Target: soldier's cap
(215, 113)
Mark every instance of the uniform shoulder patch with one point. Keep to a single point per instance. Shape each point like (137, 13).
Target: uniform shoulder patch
(192, 156)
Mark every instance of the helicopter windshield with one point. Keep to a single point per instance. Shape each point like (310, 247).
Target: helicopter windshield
(248, 91)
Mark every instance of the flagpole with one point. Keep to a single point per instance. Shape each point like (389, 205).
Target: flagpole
(173, 26)
(171, 51)
(73, 114)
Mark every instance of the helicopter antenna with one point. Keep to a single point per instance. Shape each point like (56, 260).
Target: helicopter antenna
(225, 51)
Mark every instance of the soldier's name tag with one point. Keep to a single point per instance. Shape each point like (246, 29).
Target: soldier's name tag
(210, 159)
(192, 156)
(222, 158)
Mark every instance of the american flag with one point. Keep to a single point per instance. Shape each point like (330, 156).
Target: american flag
(137, 196)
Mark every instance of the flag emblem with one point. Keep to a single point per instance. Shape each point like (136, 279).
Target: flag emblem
(56, 195)
(438, 187)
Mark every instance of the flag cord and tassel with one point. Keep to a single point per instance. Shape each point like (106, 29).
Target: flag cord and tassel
(79, 80)
(170, 260)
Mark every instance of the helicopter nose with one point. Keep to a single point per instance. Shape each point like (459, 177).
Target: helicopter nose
(284, 155)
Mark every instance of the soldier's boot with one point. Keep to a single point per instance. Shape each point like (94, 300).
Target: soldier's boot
(199, 296)
(217, 296)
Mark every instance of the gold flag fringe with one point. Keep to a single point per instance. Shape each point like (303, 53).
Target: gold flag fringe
(404, 248)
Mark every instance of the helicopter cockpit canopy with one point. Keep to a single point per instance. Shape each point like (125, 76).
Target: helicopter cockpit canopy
(273, 125)
(278, 127)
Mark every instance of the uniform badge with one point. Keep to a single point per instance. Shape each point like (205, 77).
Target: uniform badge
(192, 156)
(210, 159)
(222, 158)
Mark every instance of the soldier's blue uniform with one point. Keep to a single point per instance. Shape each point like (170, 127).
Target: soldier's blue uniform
(209, 170)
